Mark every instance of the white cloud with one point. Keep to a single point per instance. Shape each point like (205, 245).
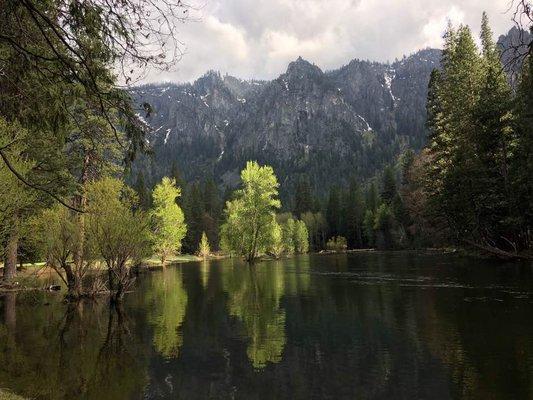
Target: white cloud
(436, 26)
(258, 38)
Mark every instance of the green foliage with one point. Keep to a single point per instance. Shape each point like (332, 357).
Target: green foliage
(301, 237)
(383, 225)
(303, 198)
(474, 145)
(277, 246)
(204, 249)
(201, 205)
(142, 191)
(337, 243)
(167, 301)
(121, 235)
(388, 190)
(257, 304)
(250, 217)
(368, 228)
(317, 228)
(353, 210)
(55, 233)
(168, 225)
(333, 212)
(17, 200)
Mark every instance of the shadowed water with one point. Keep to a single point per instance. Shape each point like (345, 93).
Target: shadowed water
(357, 326)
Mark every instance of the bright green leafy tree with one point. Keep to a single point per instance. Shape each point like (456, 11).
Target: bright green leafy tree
(203, 248)
(250, 217)
(168, 222)
(301, 237)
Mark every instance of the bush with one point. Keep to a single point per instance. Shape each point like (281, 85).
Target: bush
(337, 243)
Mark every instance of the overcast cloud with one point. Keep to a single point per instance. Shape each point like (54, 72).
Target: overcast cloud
(258, 38)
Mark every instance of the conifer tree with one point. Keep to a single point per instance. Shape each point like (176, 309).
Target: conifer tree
(142, 191)
(492, 141)
(522, 160)
(333, 212)
(388, 185)
(303, 199)
(454, 96)
(353, 215)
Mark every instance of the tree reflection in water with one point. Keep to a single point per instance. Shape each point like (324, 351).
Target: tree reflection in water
(254, 298)
(69, 351)
(166, 302)
(372, 326)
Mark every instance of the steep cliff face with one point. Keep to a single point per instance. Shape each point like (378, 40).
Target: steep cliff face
(330, 126)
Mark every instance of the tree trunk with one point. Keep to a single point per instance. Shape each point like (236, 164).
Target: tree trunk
(10, 262)
(81, 202)
(73, 284)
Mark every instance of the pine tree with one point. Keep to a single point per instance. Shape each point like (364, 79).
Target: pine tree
(491, 139)
(333, 212)
(388, 185)
(142, 192)
(194, 213)
(383, 225)
(454, 96)
(303, 199)
(353, 216)
(368, 228)
(522, 159)
(175, 174)
(372, 197)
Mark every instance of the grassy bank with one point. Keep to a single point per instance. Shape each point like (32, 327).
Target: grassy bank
(7, 395)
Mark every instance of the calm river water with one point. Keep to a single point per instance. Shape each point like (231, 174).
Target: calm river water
(356, 326)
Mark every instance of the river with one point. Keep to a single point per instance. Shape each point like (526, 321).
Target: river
(350, 326)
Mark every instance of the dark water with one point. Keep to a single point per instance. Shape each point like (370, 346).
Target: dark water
(360, 326)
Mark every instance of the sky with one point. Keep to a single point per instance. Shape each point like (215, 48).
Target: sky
(256, 39)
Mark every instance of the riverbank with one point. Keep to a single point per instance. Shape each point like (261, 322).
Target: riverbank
(7, 395)
(39, 276)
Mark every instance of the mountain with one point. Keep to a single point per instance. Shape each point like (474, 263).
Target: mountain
(330, 126)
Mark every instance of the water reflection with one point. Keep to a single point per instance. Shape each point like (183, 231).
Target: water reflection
(67, 352)
(369, 326)
(254, 298)
(165, 303)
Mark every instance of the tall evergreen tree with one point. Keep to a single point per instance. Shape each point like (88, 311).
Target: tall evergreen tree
(194, 212)
(142, 191)
(492, 143)
(454, 98)
(303, 198)
(333, 212)
(353, 216)
(522, 160)
(388, 185)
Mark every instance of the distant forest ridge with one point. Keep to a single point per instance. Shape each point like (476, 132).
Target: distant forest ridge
(327, 128)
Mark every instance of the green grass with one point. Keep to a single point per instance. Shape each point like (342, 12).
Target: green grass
(7, 395)
(155, 260)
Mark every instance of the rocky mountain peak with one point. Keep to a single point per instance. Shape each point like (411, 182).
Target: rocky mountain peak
(302, 68)
(334, 125)
(208, 81)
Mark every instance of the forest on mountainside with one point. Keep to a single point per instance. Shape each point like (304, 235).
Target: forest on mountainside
(468, 186)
